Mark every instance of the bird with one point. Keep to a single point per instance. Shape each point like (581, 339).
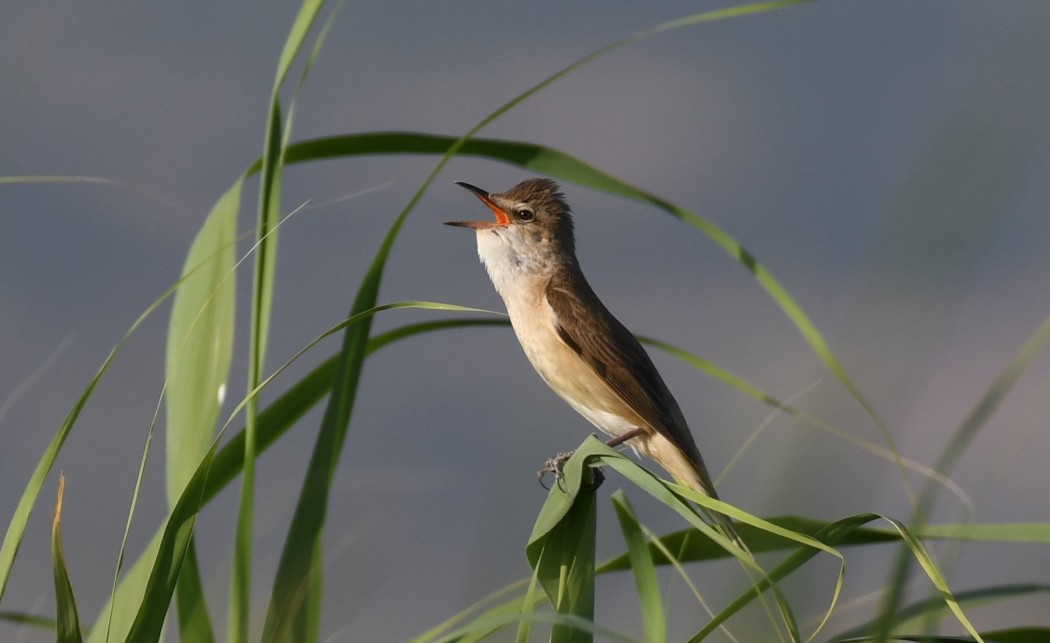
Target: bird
(583, 352)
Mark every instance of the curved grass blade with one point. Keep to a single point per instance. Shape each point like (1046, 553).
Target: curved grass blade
(714, 370)
(179, 528)
(834, 534)
(923, 609)
(926, 562)
(842, 533)
(675, 497)
(68, 624)
(690, 545)
(828, 537)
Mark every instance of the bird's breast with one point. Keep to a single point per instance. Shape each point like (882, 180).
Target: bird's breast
(520, 274)
(570, 376)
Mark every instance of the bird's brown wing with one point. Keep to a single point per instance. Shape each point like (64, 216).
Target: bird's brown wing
(615, 355)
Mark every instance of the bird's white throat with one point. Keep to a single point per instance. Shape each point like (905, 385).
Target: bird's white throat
(514, 264)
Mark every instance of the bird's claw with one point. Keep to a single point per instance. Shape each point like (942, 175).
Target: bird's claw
(556, 463)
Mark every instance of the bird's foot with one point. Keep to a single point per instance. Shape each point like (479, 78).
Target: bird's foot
(556, 463)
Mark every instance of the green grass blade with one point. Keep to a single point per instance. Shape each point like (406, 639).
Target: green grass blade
(682, 500)
(1019, 635)
(68, 623)
(262, 303)
(828, 537)
(21, 618)
(199, 351)
(526, 608)
(200, 342)
(920, 611)
(641, 561)
(1034, 533)
(304, 21)
(273, 422)
(691, 545)
(561, 550)
(933, 572)
(167, 565)
(190, 602)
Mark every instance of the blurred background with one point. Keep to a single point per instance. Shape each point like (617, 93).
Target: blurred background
(886, 160)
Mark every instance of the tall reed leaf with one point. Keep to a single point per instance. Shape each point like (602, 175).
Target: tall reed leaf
(200, 348)
(561, 549)
(200, 342)
(262, 302)
(65, 603)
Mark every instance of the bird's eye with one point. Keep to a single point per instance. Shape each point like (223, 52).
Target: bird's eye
(525, 214)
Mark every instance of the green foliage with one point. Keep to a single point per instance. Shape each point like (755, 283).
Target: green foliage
(566, 581)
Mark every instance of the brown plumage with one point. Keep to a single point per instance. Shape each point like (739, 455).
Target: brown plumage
(572, 340)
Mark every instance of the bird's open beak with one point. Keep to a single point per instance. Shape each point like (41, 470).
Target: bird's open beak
(502, 218)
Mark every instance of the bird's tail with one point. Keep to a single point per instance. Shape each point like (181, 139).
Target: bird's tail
(724, 525)
(691, 472)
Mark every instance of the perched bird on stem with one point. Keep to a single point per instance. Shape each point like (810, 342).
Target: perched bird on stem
(572, 340)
